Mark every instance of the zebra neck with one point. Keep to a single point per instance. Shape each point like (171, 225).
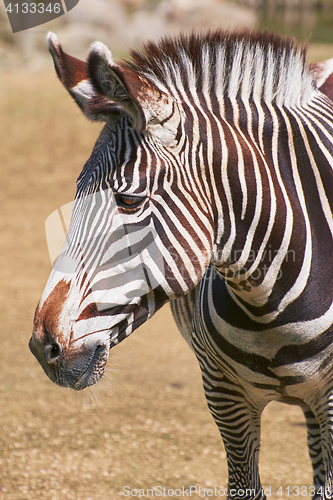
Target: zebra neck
(268, 224)
(255, 228)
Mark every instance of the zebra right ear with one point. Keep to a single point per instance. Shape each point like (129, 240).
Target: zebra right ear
(110, 82)
(150, 107)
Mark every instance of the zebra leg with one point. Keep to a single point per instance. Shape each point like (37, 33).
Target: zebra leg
(322, 409)
(319, 419)
(315, 448)
(182, 311)
(238, 421)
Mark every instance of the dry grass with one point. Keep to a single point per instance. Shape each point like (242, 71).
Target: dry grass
(151, 425)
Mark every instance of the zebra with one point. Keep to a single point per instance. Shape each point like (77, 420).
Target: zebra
(210, 186)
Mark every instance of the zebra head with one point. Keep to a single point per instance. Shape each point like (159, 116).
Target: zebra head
(135, 240)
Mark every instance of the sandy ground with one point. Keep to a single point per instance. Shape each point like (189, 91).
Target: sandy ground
(146, 423)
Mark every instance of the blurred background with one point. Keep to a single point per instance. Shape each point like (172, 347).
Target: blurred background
(146, 423)
(122, 24)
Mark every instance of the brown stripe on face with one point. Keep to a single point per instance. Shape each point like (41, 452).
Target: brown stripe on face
(92, 311)
(52, 345)
(46, 321)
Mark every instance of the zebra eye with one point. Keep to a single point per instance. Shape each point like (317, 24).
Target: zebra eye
(128, 201)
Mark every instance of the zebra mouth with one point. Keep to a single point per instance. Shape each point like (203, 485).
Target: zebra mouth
(95, 369)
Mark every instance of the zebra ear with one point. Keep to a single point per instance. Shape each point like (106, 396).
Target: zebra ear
(73, 73)
(103, 89)
(150, 107)
(323, 75)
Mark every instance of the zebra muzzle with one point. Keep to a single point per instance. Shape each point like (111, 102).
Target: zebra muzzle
(76, 369)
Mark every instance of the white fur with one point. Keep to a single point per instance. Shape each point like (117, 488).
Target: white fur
(102, 51)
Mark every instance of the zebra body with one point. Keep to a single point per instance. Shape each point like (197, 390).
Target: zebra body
(210, 187)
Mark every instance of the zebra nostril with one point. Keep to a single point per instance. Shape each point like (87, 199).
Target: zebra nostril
(52, 352)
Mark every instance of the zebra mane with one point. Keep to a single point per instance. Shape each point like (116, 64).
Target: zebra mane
(246, 65)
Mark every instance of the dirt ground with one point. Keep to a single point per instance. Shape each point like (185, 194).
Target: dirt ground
(146, 423)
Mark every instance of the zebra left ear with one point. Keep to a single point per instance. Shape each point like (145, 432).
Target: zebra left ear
(73, 74)
(150, 107)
